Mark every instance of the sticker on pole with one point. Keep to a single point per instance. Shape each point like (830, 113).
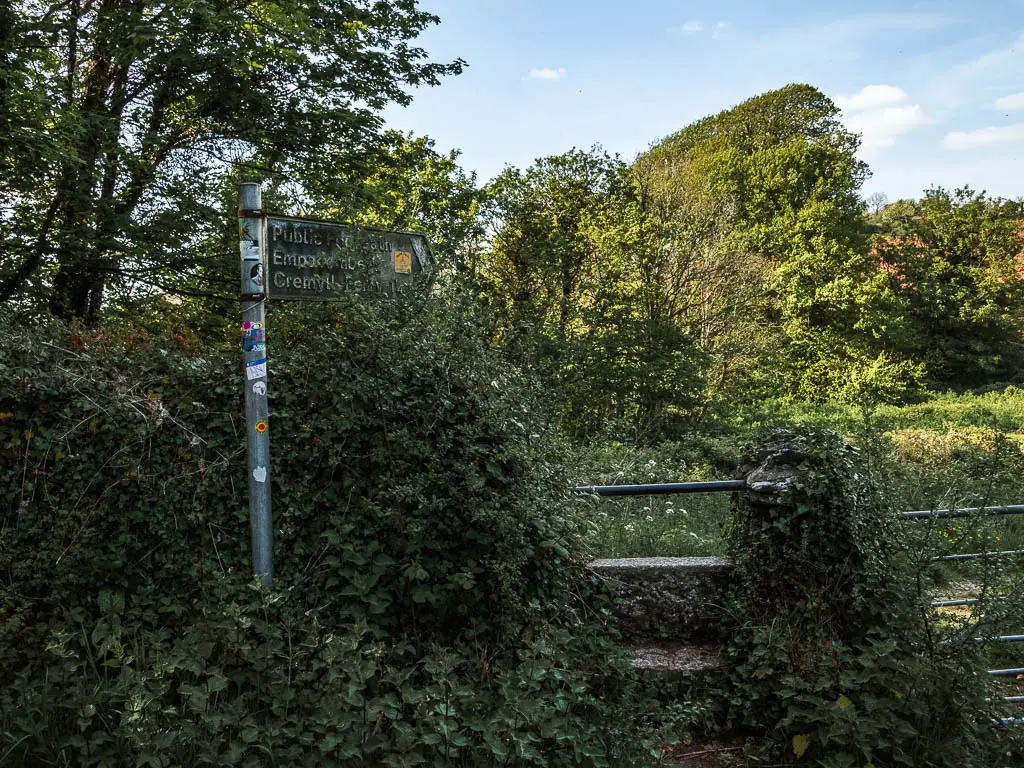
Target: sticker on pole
(261, 427)
(259, 388)
(256, 369)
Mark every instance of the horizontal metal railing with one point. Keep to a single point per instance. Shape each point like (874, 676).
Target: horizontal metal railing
(1006, 672)
(929, 514)
(724, 486)
(977, 555)
(728, 486)
(993, 639)
(658, 489)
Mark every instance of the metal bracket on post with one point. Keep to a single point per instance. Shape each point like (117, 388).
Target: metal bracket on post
(251, 241)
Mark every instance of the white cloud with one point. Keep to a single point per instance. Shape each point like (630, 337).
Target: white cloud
(879, 113)
(1011, 103)
(880, 127)
(547, 73)
(872, 97)
(983, 137)
(693, 27)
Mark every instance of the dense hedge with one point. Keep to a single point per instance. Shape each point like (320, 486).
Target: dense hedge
(427, 608)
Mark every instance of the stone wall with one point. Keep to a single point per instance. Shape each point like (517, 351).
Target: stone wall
(666, 597)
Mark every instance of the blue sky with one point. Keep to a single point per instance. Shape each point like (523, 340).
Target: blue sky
(936, 88)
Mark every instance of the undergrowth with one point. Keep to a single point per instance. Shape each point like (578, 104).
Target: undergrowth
(430, 605)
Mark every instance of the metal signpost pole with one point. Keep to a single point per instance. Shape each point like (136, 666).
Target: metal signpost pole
(254, 344)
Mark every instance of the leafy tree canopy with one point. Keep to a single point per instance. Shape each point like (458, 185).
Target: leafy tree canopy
(121, 116)
(955, 258)
(782, 171)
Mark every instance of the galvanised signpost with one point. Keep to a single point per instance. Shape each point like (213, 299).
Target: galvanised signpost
(284, 257)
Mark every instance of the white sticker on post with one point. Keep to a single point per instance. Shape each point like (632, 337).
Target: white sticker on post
(256, 369)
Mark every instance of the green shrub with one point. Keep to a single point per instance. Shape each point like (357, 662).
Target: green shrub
(427, 608)
(833, 652)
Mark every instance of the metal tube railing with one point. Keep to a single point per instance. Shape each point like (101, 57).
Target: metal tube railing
(927, 514)
(993, 639)
(976, 555)
(1006, 672)
(657, 489)
(726, 486)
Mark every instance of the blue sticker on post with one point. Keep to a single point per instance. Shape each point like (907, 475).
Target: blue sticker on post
(256, 369)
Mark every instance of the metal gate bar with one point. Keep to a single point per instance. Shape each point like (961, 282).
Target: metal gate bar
(657, 489)
(994, 639)
(925, 514)
(976, 555)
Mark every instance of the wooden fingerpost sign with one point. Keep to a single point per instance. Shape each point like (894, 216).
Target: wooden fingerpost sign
(284, 257)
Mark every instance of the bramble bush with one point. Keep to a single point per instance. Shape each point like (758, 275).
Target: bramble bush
(430, 606)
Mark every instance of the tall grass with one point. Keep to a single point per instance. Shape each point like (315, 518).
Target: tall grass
(656, 526)
(949, 451)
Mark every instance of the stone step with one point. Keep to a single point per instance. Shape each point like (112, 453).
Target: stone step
(628, 566)
(674, 660)
(665, 597)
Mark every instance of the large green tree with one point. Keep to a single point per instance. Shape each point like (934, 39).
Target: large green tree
(136, 109)
(782, 172)
(957, 261)
(539, 256)
(415, 187)
(576, 270)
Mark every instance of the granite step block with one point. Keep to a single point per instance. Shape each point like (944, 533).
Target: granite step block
(673, 598)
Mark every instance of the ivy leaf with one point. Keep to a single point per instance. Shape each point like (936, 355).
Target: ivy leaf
(800, 744)
(216, 683)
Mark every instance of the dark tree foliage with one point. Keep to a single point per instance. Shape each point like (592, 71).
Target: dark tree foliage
(120, 115)
(955, 258)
